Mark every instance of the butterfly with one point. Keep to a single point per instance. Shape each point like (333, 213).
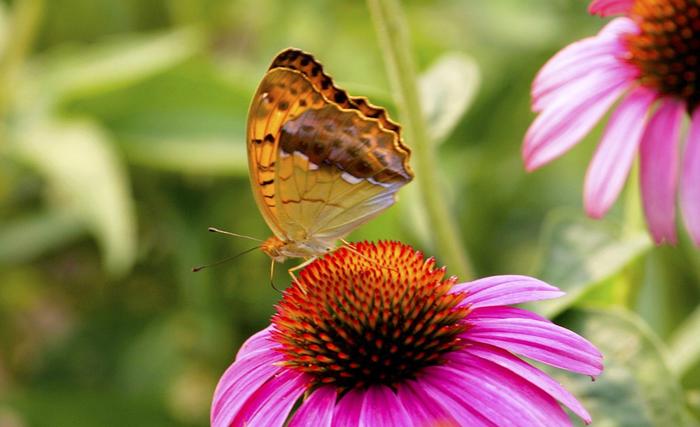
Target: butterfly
(321, 162)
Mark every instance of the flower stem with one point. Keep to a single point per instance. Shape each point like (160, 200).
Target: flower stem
(390, 25)
(24, 22)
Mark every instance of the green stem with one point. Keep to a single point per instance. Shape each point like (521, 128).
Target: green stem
(391, 27)
(634, 221)
(24, 22)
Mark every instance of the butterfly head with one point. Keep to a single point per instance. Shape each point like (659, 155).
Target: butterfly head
(274, 248)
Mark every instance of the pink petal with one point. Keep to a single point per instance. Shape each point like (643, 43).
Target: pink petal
(505, 290)
(529, 373)
(424, 409)
(613, 158)
(690, 181)
(606, 43)
(498, 394)
(317, 410)
(538, 340)
(590, 72)
(381, 408)
(260, 341)
(239, 382)
(659, 169)
(565, 122)
(504, 312)
(271, 403)
(460, 407)
(618, 27)
(347, 410)
(610, 7)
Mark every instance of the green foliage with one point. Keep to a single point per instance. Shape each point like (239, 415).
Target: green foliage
(638, 388)
(580, 254)
(122, 127)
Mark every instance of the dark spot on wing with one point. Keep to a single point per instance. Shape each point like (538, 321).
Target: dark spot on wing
(318, 148)
(340, 97)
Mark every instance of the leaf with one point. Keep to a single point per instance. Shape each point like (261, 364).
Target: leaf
(447, 89)
(204, 156)
(187, 120)
(685, 345)
(31, 236)
(637, 388)
(118, 62)
(579, 253)
(85, 175)
(72, 406)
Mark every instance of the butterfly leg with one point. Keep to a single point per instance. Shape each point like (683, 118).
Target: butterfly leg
(299, 267)
(272, 273)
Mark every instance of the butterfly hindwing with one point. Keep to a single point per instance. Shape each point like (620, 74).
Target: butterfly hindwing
(337, 170)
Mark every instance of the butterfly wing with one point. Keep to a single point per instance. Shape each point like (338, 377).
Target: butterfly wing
(281, 95)
(338, 169)
(321, 162)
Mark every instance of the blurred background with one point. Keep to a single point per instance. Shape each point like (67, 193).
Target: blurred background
(122, 138)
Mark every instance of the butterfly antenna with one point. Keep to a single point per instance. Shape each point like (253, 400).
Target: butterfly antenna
(228, 233)
(221, 261)
(352, 249)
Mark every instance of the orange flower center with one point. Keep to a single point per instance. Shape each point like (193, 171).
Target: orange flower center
(667, 49)
(376, 315)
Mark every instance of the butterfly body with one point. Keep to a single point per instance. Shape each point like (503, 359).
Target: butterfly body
(280, 250)
(322, 163)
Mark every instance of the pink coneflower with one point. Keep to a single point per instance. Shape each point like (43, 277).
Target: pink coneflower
(649, 58)
(377, 337)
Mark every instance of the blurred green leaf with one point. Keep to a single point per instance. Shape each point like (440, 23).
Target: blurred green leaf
(186, 120)
(447, 89)
(118, 62)
(71, 407)
(637, 388)
(685, 345)
(154, 357)
(85, 175)
(192, 155)
(579, 253)
(31, 236)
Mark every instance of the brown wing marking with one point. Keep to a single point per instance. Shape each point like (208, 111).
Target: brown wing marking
(305, 63)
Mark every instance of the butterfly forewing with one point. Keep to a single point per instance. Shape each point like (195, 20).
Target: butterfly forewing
(321, 162)
(282, 94)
